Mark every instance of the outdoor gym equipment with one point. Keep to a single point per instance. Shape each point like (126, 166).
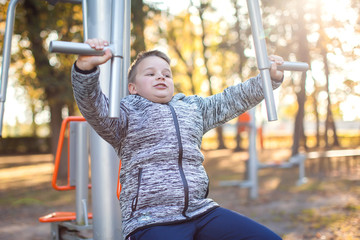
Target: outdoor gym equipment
(264, 65)
(263, 62)
(72, 223)
(253, 164)
(110, 20)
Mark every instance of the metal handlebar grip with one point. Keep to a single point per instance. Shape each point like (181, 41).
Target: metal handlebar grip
(75, 48)
(293, 66)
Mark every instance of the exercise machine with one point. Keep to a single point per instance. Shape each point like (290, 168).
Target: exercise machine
(253, 165)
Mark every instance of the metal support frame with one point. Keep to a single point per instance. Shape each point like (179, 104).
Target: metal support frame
(79, 146)
(104, 161)
(254, 166)
(263, 62)
(119, 46)
(264, 65)
(73, 231)
(74, 225)
(114, 27)
(10, 18)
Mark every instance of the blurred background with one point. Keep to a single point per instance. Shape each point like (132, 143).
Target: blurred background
(211, 47)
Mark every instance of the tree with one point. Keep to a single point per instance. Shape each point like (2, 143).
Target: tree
(303, 55)
(239, 48)
(188, 57)
(205, 5)
(329, 122)
(50, 73)
(138, 16)
(46, 81)
(314, 97)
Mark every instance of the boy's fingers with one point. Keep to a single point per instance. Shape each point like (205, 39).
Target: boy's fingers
(275, 73)
(276, 59)
(104, 58)
(96, 43)
(107, 55)
(91, 42)
(274, 67)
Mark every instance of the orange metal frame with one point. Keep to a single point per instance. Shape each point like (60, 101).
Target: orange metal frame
(63, 216)
(118, 188)
(60, 217)
(68, 216)
(64, 125)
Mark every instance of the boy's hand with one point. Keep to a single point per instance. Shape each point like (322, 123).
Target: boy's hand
(90, 62)
(276, 74)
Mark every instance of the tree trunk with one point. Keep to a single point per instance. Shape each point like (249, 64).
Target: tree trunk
(201, 9)
(239, 47)
(303, 55)
(329, 122)
(299, 120)
(138, 19)
(317, 118)
(45, 75)
(220, 136)
(33, 123)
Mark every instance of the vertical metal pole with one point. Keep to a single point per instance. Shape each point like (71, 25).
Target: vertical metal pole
(104, 162)
(85, 19)
(10, 17)
(72, 154)
(263, 62)
(302, 177)
(126, 61)
(253, 160)
(117, 37)
(80, 143)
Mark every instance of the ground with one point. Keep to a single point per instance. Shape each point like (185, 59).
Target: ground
(326, 207)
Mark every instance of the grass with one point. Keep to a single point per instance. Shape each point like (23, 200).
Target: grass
(326, 207)
(38, 196)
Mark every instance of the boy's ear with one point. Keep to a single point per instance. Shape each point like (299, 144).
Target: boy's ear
(132, 88)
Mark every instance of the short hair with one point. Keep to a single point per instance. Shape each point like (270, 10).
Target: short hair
(141, 56)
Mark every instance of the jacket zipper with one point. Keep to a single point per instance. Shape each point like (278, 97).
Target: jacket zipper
(180, 158)
(136, 198)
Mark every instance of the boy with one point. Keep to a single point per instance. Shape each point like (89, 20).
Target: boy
(158, 138)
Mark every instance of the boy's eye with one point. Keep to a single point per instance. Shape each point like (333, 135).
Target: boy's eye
(149, 74)
(167, 74)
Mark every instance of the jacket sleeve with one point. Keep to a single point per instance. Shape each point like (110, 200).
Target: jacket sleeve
(94, 105)
(232, 102)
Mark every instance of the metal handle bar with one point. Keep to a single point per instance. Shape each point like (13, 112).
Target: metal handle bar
(85, 49)
(76, 48)
(120, 48)
(293, 66)
(263, 62)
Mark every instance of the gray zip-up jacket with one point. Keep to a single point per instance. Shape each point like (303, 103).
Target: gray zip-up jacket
(162, 176)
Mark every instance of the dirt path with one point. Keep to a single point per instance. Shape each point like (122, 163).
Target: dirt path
(326, 207)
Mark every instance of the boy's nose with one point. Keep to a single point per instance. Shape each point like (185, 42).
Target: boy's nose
(160, 77)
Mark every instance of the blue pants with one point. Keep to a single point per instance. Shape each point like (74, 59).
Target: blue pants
(218, 224)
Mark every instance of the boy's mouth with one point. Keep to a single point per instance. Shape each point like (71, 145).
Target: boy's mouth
(160, 85)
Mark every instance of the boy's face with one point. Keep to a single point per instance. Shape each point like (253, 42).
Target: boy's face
(153, 80)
